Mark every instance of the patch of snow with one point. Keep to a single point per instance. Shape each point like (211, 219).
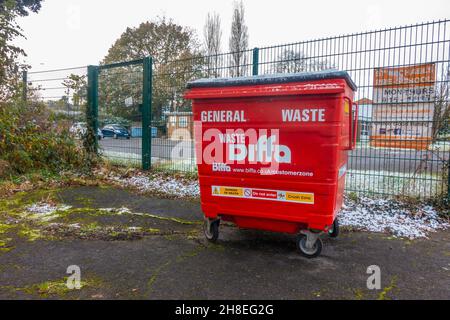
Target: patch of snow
(45, 211)
(134, 229)
(369, 214)
(390, 216)
(381, 215)
(159, 184)
(120, 211)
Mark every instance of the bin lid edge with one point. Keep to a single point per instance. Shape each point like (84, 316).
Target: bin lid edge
(273, 79)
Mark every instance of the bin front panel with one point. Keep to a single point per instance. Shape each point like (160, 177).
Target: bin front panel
(280, 158)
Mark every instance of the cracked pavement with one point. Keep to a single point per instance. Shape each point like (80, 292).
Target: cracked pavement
(161, 253)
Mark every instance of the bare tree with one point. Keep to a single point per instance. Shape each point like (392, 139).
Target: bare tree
(238, 40)
(212, 33)
(441, 117)
(291, 61)
(440, 132)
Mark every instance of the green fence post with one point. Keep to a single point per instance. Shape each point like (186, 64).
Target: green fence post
(92, 110)
(448, 180)
(24, 85)
(147, 115)
(255, 61)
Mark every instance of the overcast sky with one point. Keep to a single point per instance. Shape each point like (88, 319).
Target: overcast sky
(69, 33)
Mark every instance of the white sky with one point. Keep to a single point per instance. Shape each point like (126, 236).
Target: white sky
(70, 33)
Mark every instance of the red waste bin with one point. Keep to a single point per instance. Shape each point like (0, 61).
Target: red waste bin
(272, 152)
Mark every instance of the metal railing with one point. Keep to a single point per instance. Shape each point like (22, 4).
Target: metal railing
(400, 151)
(64, 93)
(403, 141)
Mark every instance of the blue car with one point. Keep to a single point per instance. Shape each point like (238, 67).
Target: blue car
(115, 131)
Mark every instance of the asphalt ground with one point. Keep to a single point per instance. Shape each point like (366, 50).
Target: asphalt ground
(170, 259)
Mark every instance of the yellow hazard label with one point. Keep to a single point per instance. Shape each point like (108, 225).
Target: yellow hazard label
(300, 197)
(263, 194)
(234, 192)
(228, 191)
(347, 107)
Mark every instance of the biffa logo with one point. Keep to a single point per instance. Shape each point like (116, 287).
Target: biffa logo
(266, 150)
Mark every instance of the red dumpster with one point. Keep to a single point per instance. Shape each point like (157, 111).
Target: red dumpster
(272, 152)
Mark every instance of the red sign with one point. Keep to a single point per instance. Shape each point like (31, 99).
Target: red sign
(265, 194)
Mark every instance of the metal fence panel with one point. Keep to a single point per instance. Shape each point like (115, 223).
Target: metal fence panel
(403, 141)
(377, 167)
(64, 92)
(124, 94)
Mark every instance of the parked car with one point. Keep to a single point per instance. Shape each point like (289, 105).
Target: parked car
(79, 129)
(116, 131)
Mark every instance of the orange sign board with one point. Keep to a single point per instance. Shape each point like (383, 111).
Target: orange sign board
(422, 75)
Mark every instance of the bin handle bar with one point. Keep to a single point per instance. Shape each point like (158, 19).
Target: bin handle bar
(353, 123)
(356, 123)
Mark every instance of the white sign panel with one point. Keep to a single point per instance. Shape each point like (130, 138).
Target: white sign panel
(403, 108)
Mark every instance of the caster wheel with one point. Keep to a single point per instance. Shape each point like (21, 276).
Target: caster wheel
(211, 230)
(116, 137)
(309, 253)
(334, 231)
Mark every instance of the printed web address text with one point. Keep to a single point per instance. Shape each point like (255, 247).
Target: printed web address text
(219, 167)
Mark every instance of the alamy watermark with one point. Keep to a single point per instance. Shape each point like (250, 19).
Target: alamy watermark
(74, 280)
(374, 280)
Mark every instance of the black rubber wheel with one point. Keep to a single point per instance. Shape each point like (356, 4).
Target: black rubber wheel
(212, 233)
(116, 136)
(334, 231)
(314, 252)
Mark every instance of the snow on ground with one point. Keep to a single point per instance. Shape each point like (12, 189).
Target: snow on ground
(170, 185)
(391, 216)
(388, 216)
(45, 211)
(370, 214)
(119, 211)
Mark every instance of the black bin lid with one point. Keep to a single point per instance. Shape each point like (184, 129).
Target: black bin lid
(273, 79)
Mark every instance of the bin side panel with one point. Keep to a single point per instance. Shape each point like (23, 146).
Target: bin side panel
(305, 137)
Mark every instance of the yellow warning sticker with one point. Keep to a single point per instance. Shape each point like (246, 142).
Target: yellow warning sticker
(231, 192)
(263, 194)
(300, 197)
(216, 191)
(347, 107)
